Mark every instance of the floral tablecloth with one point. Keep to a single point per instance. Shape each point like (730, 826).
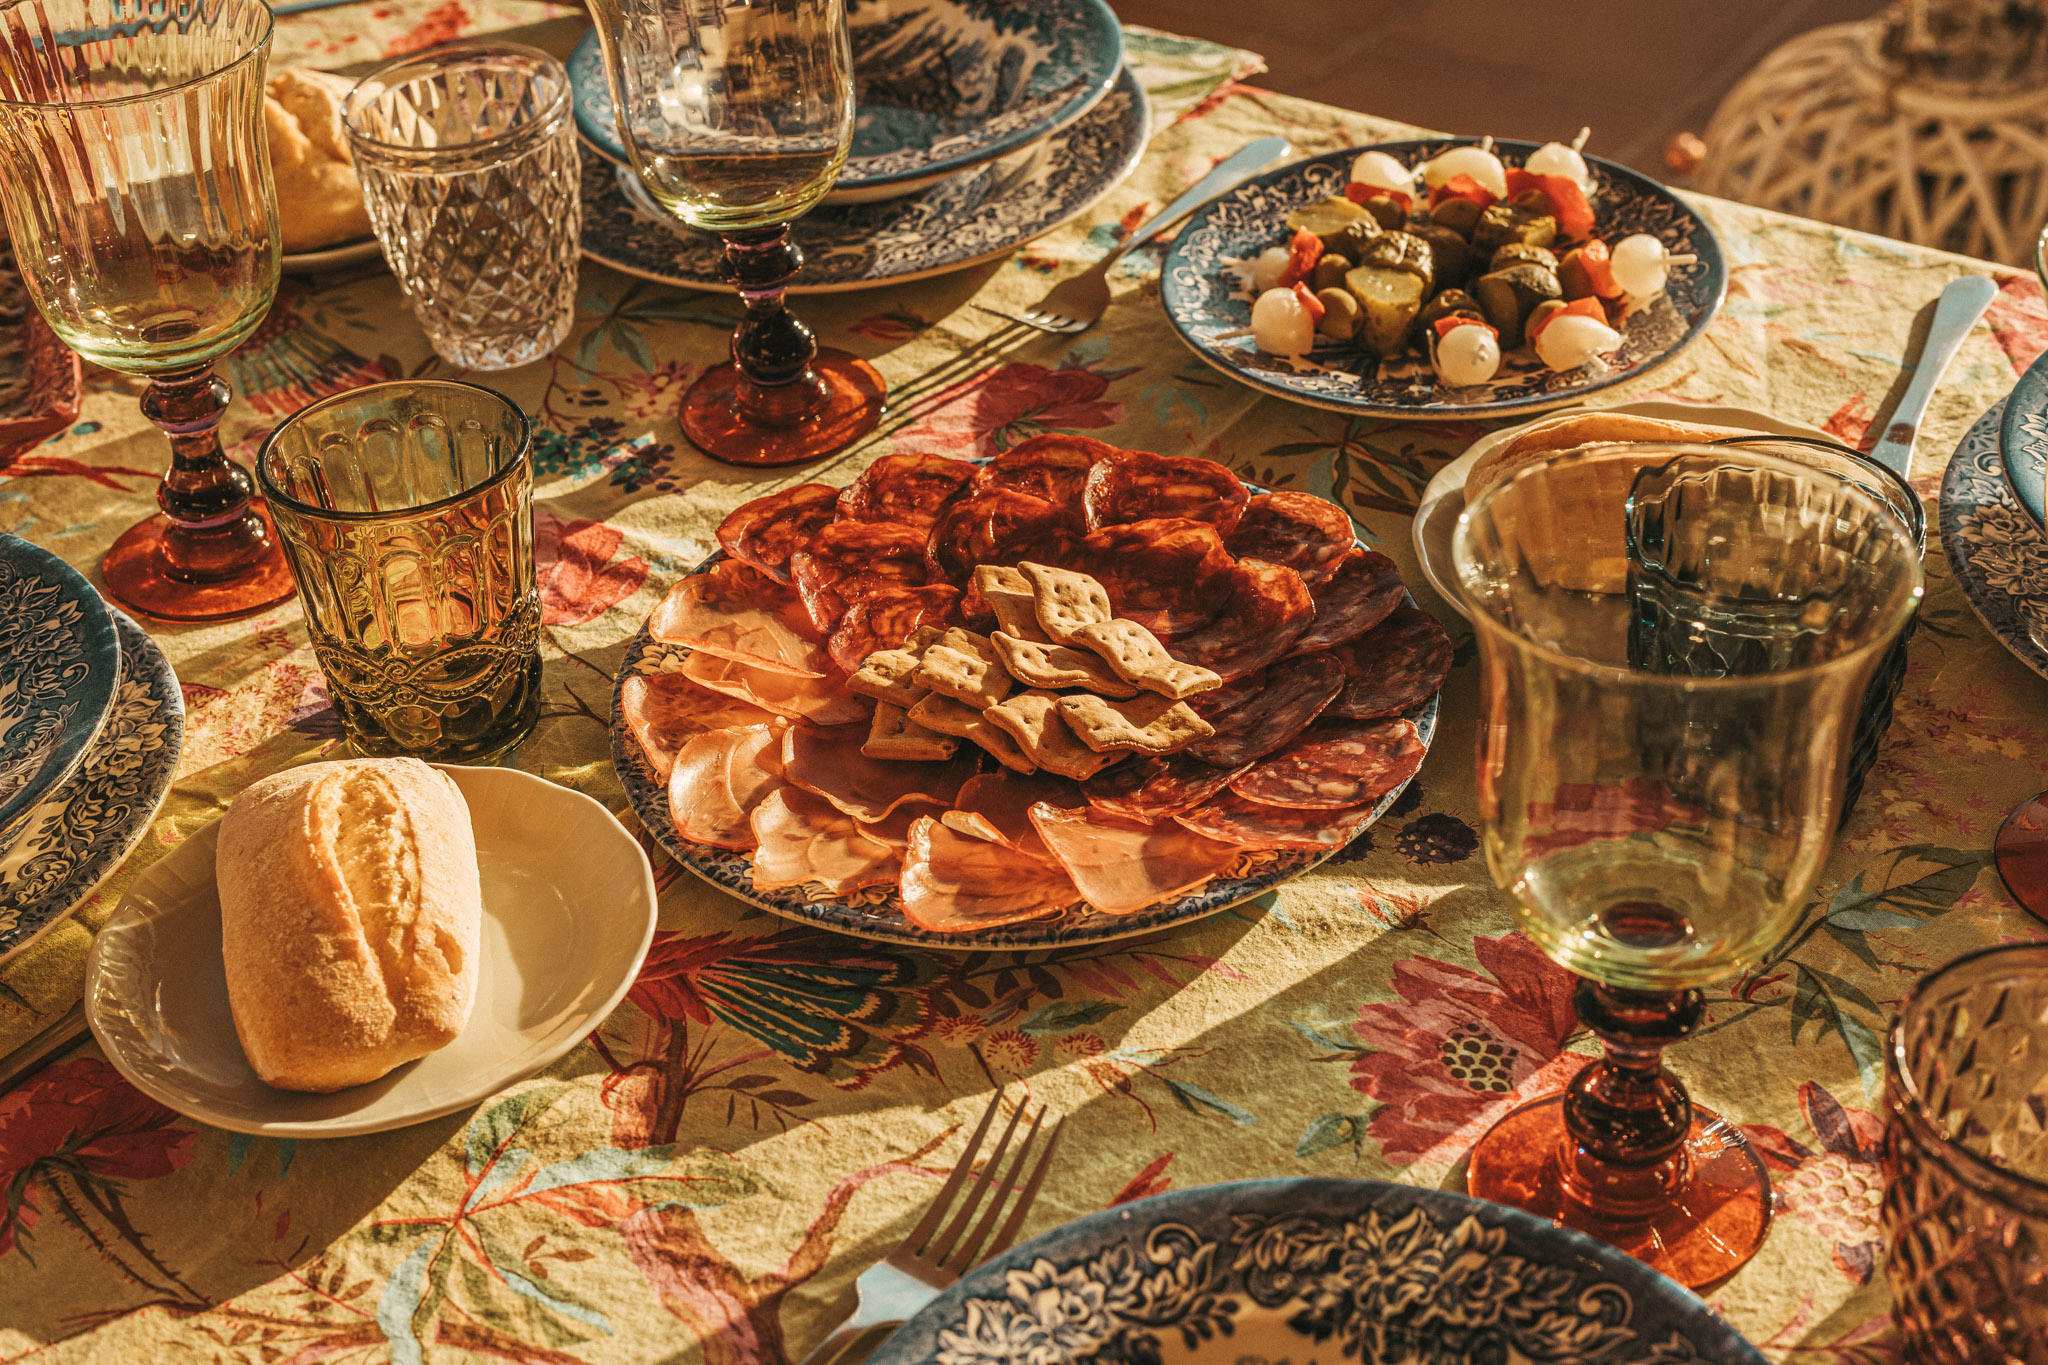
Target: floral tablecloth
(704, 1179)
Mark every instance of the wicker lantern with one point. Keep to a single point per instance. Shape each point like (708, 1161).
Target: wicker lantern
(1928, 123)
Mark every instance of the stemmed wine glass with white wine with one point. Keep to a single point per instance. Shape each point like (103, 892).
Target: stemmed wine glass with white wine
(737, 115)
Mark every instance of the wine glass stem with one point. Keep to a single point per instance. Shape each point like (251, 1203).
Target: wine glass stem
(771, 347)
(1625, 1115)
(214, 533)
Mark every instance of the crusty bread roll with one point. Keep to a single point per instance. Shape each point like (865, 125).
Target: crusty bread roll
(350, 911)
(1569, 431)
(319, 200)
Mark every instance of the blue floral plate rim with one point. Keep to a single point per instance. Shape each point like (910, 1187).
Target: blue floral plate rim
(1311, 1252)
(1998, 552)
(1237, 224)
(2023, 441)
(68, 672)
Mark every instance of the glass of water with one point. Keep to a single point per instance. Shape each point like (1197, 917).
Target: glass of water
(467, 156)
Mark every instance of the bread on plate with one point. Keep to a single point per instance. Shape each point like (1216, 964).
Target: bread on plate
(319, 199)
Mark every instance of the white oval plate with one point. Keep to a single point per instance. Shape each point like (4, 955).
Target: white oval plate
(1444, 496)
(569, 912)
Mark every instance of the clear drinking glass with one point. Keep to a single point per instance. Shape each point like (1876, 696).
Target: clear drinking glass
(468, 160)
(138, 194)
(1966, 1161)
(1660, 829)
(407, 511)
(737, 115)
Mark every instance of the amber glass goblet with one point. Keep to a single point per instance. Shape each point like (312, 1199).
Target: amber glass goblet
(138, 193)
(737, 117)
(1673, 642)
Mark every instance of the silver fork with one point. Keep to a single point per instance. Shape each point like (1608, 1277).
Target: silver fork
(1075, 305)
(932, 1257)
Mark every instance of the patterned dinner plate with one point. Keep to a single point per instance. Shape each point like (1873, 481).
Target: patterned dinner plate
(2023, 441)
(877, 913)
(1997, 550)
(1309, 1270)
(59, 662)
(939, 86)
(979, 215)
(82, 832)
(1202, 300)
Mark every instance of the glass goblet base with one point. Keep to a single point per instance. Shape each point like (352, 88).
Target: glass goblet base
(847, 409)
(140, 578)
(2021, 852)
(1708, 1225)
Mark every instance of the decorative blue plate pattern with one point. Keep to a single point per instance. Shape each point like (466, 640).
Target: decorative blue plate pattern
(985, 213)
(939, 85)
(1999, 554)
(1283, 1270)
(1238, 226)
(2023, 441)
(73, 840)
(59, 661)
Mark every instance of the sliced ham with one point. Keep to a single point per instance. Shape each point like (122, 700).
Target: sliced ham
(997, 806)
(739, 613)
(664, 710)
(1121, 866)
(801, 839)
(830, 764)
(718, 779)
(893, 829)
(821, 701)
(953, 883)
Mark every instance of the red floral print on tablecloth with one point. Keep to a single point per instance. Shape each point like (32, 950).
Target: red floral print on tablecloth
(2019, 320)
(1837, 1189)
(1001, 406)
(578, 580)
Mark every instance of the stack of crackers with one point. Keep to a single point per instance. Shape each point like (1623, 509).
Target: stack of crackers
(1094, 686)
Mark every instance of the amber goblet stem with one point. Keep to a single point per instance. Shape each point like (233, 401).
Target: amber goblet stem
(215, 532)
(771, 346)
(1626, 1118)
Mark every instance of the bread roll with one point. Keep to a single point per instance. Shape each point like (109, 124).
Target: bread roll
(319, 200)
(349, 911)
(1569, 431)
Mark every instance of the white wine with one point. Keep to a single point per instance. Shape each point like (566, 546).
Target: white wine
(734, 192)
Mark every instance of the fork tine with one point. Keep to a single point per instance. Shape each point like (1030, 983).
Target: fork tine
(971, 1201)
(965, 1257)
(1024, 1200)
(961, 1169)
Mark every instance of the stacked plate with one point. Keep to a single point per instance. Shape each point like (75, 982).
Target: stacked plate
(979, 125)
(91, 721)
(1994, 517)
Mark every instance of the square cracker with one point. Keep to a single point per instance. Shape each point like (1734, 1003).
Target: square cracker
(1148, 724)
(1051, 665)
(963, 665)
(893, 734)
(886, 674)
(1135, 655)
(1008, 593)
(950, 717)
(1033, 720)
(1065, 601)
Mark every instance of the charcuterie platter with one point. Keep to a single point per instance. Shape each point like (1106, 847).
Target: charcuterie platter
(1070, 694)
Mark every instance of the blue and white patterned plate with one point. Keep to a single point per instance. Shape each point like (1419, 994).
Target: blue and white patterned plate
(939, 85)
(877, 913)
(1201, 302)
(1998, 552)
(2023, 441)
(978, 216)
(73, 840)
(1308, 1270)
(59, 661)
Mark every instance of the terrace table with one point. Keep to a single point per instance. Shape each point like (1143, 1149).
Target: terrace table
(804, 1092)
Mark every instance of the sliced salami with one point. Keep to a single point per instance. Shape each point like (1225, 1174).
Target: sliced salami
(1053, 466)
(1310, 535)
(1248, 824)
(971, 530)
(907, 489)
(1265, 609)
(1135, 485)
(1162, 572)
(1390, 668)
(1334, 764)
(768, 530)
(1296, 692)
(848, 561)
(1363, 592)
(885, 618)
(1213, 703)
(1150, 789)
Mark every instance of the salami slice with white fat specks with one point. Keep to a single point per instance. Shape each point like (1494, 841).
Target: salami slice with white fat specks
(1296, 692)
(1163, 573)
(1249, 824)
(1335, 764)
(909, 489)
(1150, 789)
(1390, 668)
(849, 561)
(1364, 590)
(1265, 612)
(768, 530)
(1134, 485)
(1308, 534)
(1053, 466)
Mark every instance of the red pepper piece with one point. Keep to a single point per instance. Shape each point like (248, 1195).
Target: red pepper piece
(1446, 325)
(1302, 254)
(1462, 187)
(1585, 308)
(1310, 301)
(1358, 192)
(1568, 202)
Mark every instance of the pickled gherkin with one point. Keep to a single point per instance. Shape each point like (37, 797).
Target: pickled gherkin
(1522, 253)
(1444, 305)
(1327, 220)
(1400, 251)
(1450, 256)
(1385, 212)
(1389, 297)
(1507, 297)
(1352, 241)
(1330, 271)
(1504, 223)
(1459, 215)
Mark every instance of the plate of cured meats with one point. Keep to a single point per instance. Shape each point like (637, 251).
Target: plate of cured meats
(1070, 694)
